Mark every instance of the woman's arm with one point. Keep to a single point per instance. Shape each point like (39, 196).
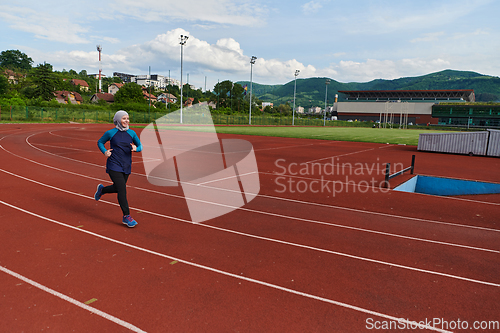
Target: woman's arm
(105, 138)
(136, 142)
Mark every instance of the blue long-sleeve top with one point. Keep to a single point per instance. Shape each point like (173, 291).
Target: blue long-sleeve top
(121, 155)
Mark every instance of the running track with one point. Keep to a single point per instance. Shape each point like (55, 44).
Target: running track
(285, 262)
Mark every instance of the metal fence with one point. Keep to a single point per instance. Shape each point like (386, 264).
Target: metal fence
(48, 114)
(54, 114)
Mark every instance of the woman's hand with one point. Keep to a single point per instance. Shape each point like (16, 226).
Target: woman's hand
(108, 153)
(134, 147)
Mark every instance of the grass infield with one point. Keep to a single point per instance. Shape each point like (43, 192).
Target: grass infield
(357, 134)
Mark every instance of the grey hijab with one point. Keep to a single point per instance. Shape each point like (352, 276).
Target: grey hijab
(117, 120)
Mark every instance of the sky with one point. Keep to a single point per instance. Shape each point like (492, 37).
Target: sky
(348, 41)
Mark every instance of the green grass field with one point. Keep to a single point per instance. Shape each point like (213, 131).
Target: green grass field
(356, 134)
(360, 134)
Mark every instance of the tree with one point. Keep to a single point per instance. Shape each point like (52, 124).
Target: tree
(129, 93)
(4, 85)
(284, 109)
(45, 81)
(229, 95)
(15, 59)
(268, 109)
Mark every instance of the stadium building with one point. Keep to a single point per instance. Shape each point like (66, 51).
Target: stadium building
(396, 106)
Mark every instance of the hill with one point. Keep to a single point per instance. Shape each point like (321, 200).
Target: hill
(311, 92)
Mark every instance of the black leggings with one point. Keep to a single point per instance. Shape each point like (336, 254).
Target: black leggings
(119, 186)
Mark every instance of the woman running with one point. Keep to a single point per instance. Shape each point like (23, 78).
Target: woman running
(122, 142)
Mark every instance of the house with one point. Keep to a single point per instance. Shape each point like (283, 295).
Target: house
(315, 110)
(299, 109)
(82, 83)
(148, 96)
(209, 104)
(167, 98)
(110, 98)
(12, 76)
(114, 87)
(189, 102)
(72, 97)
(96, 76)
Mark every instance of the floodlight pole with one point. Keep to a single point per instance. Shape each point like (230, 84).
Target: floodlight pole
(183, 41)
(252, 61)
(327, 82)
(149, 95)
(294, 90)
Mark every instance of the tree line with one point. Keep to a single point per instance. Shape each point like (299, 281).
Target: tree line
(36, 86)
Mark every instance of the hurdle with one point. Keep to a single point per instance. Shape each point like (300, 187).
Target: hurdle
(389, 176)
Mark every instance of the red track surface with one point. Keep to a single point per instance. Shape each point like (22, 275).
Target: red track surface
(285, 262)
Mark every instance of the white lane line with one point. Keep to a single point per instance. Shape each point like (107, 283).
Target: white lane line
(347, 154)
(218, 271)
(289, 217)
(263, 149)
(270, 239)
(68, 137)
(68, 148)
(72, 300)
(285, 199)
(310, 203)
(292, 200)
(225, 178)
(295, 218)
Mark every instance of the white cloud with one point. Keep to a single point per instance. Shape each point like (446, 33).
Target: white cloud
(386, 69)
(311, 7)
(226, 59)
(404, 16)
(43, 25)
(106, 39)
(429, 37)
(475, 34)
(237, 12)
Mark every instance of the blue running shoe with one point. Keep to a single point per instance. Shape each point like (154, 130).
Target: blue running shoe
(98, 193)
(129, 221)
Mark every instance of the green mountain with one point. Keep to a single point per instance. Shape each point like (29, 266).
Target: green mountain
(311, 92)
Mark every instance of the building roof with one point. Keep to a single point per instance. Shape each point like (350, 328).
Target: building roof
(63, 96)
(148, 95)
(450, 94)
(82, 83)
(118, 85)
(66, 93)
(110, 98)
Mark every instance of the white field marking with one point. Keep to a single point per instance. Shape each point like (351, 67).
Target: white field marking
(150, 159)
(218, 271)
(180, 147)
(266, 238)
(10, 132)
(347, 154)
(69, 299)
(281, 198)
(286, 199)
(352, 166)
(282, 216)
(285, 147)
(67, 137)
(289, 200)
(68, 148)
(225, 178)
(91, 151)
